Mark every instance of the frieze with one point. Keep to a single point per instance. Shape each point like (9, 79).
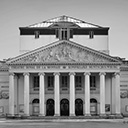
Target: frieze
(64, 53)
(66, 67)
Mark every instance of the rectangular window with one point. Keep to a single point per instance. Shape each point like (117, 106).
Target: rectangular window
(78, 81)
(92, 82)
(71, 33)
(37, 33)
(91, 34)
(64, 81)
(36, 83)
(50, 81)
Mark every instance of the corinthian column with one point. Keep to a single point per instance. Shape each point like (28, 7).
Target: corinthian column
(72, 93)
(102, 93)
(57, 94)
(26, 94)
(11, 94)
(87, 93)
(42, 94)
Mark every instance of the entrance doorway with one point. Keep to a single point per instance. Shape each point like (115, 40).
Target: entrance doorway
(35, 105)
(93, 106)
(79, 107)
(64, 107)
(50, 107)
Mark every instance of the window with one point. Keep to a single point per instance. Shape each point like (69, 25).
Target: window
(37, 33)
(36, 83)
(64, 81)
(91, 34)
(92, 82)
(50, 81)
(78, 81)
(64, 33)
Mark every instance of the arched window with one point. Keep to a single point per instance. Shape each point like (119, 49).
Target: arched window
(35, 101)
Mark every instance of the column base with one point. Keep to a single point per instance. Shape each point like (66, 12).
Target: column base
(118, 116)
(41, 115)
(103, 115)
(25, 115)
(87, 115)
(57, 115)
(72, 115)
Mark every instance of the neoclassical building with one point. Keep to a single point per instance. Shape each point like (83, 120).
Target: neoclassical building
(64, 69)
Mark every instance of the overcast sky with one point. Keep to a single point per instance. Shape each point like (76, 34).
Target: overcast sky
(21, 13)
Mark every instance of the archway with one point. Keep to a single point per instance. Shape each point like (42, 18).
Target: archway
(93, 106)
(50, 107)
(64, 107)
(78, 107)
(35, 106)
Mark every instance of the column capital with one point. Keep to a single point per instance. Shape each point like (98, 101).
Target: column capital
(87, 73)
(72, 73)
(102, 73)
(26, 74)
(56, 73)
(117, 73)
(41, 73)
(11, 74)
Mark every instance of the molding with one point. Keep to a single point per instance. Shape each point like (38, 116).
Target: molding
(87, 73)
(56, 73)
(102, 73)
(26, 73)
(41, 74)
(72, 73)
(11, 74)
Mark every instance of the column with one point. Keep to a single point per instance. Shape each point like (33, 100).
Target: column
(57, 94)
(87, 93)
(42, 94)
(26, 94)
(11, 94)
(102, 93)
(117, 91)
(72, 93)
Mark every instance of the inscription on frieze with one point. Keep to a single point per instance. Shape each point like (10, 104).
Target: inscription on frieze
(67, 67)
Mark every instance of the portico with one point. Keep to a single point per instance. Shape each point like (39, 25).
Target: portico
(57, 93)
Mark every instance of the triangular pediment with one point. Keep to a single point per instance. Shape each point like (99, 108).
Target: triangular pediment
(63, 52)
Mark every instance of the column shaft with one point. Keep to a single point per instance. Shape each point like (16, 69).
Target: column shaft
(72, 94)
(11, 93)
(117, 80)
(87, 94)
(42, 94)
(26, 94)
(57, 94)
(102, 93)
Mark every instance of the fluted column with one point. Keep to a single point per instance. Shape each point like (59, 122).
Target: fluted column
(102, 93)
(57, 94)
(87, 94)
(26, 94)
(11, 94)
(42, 94)
(117, 91)
(72, 93)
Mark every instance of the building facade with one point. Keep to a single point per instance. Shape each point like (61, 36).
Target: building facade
(64, 69)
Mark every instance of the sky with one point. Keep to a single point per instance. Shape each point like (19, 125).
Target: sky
(22, 13)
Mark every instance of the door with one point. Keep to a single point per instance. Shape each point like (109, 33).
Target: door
(64, 107)
(50, 107)
(78, 107)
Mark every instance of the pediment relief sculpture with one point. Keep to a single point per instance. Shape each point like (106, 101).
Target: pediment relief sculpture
(64, 53)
